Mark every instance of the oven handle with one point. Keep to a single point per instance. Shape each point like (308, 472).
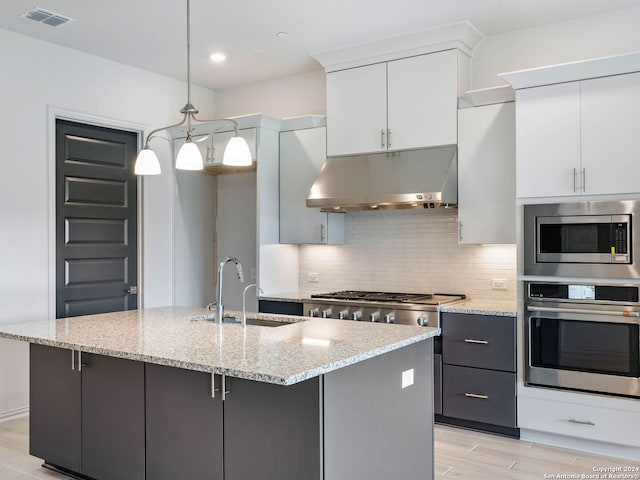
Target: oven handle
(585, 311)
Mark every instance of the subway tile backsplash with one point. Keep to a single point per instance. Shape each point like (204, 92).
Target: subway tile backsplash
(410, 251)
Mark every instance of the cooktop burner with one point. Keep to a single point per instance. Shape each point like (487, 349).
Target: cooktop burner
(391, 297)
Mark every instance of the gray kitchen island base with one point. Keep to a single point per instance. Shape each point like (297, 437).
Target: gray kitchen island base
(370, 420)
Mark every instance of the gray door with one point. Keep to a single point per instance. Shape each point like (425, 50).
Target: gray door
(96, 219)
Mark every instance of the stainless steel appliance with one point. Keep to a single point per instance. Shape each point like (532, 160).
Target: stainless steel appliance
(385, 307)
(587, 239)
(583, 337)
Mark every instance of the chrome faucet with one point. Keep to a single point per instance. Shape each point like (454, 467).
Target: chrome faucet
(219, 305)
(244, 302)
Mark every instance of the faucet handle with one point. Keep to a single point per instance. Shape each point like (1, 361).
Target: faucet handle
(240, 274)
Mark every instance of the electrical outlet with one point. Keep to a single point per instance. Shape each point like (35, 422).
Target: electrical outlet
(407, 378)
(498, 284)
(313, 277)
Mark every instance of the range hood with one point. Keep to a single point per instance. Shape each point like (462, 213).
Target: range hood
(422, 178)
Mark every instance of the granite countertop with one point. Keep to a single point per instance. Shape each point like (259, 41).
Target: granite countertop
(171, 336)
(483, 307)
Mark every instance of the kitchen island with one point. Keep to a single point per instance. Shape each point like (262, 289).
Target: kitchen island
(166, 393)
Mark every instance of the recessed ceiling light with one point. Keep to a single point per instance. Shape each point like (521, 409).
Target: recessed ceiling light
(217, 57)
(282, 34)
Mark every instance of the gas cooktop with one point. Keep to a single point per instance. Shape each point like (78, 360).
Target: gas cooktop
(390, 297)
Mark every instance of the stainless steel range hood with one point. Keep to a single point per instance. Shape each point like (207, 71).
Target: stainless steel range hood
(422, 178)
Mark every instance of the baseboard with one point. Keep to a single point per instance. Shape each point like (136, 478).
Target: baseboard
(592, 446)
(15, 413)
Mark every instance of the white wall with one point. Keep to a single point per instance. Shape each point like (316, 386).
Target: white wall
(589, 37)
(284, 97)
(36, 76)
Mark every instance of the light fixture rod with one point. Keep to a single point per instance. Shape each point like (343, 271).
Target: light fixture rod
(189, 54)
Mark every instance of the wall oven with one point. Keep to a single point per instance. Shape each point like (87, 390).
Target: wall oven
(583, 337)
(588, 239)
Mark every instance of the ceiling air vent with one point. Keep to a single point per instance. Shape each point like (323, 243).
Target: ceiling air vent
(45, 16)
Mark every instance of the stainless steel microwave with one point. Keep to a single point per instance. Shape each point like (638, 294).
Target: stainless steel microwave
(587, 239)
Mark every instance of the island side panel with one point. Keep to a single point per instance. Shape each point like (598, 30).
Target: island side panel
(374, 429)
(184, 424)
(55, 429)
(272, 431)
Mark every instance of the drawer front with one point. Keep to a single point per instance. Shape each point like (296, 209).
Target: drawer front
(479, 395)
(437, 383)
(577, 420)
(481, 341)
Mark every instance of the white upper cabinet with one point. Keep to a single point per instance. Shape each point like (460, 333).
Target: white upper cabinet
(422, 95)
(548, 140)
(357, 110)
(486, 174)
(610, 118)
(396, 105)
(302, 153)
(577, 128)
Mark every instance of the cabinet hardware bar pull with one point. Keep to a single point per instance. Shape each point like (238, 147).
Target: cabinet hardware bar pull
(213, 385)
(73, 359)
(322, 232)
(223, 388)
(388, 138)
(476, 395)
(581, 422)
(460, 231)
(575, 172)
(480, 342)
(80, 364)
(382, 138)
(584, 180)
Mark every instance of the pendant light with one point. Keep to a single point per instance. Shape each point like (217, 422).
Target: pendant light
(237, 152)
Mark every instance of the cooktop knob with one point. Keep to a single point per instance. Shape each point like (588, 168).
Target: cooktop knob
(374, 317)
(343, 314)
(357, 315)
(326, 313)
(313, 312)
(390, 318)
(423, 321)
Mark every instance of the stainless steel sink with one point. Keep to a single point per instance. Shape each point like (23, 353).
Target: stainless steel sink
(256, 321)
(236, 321)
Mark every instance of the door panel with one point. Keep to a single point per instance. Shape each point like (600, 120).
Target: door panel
(96, 219)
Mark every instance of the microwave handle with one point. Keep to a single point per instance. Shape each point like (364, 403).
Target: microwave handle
(586, 311)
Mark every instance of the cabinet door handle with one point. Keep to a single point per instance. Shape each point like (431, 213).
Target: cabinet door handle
(581, 422)
(575, 173)
(322, 232)
(478, 342)
(476, 395)
(73, 360)
(460, 237)
(80, 364)
(382, 138)
(388, 138)
(584, 180)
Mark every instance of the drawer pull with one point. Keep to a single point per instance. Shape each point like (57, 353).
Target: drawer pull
(476, 395)
(479, 342)
(581, 422)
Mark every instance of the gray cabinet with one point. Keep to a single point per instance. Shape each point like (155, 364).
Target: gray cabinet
(302, 153)
(87, 410)
(184, 424)
(55, 427)
(272, 431)
(478, 372)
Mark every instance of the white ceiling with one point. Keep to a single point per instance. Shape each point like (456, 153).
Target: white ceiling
(151, 34)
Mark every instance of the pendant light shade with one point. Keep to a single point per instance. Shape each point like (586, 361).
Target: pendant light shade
(237, 153)
(147, 163)
(189, 157)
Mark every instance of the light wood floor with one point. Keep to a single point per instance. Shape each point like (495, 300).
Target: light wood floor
(460, 454)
